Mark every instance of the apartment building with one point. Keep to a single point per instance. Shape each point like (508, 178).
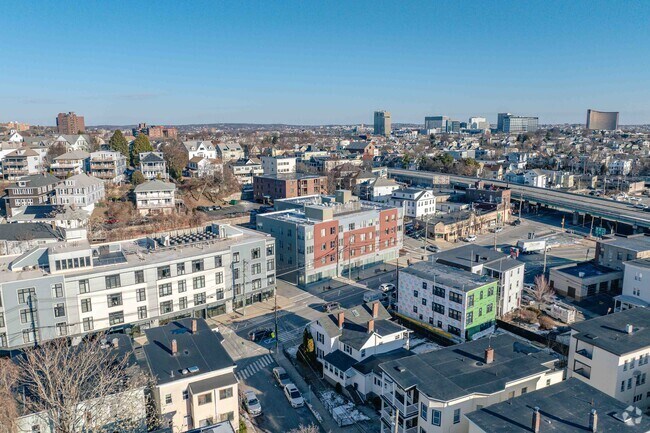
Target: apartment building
(416, 202)
(229, 151)
(70, 123)
(21, 162)
(195, 384)
(108, 166)
(370, 188)
(36, 189)
(320, 237)
(70, 164)
(611, 353)
(155, 196)
(449, 301)
(200, 166)
(278, 186)
(566, 407)
(434, 391)
(81, 191)
(73, 288)
(246, 169)
(345, 338)
(613, 251)
(636, 288)
(153, 165)
(382, 123)
(278, 164)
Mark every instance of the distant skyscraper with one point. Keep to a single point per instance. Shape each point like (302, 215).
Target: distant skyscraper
(382, 123)
(602, 120)
(478, 123)
(510, 123)
(436, 122)
(70, 123)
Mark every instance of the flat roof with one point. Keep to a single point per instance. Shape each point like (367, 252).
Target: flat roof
(609, 332)
(634, 242)
(470, 255)
(564, 407)
(457, 371)
(448, 276)
(589, 269)
(290, 176)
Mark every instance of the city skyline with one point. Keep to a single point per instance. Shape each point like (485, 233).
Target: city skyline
(314, 64)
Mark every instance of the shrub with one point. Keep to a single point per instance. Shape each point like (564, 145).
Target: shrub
(546, 323)
(528, 316)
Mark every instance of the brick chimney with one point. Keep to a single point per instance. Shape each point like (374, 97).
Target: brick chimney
(375, 309)
(174, 347)
(341, 319)
(537, 420)
(194, 326)
(593, 421)
(371, 326)
(489, 355)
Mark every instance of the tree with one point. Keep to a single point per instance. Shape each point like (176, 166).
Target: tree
(140, 144)
(84, 387)
(542, 292)
(137, 178)
(176, 159)
(8, 408)
(118, 143)
(311, 428)
(54, 151)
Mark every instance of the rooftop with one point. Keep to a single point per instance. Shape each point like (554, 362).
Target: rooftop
(457, 371)
(515, 415)
(585, 270)
(469, 256)
(641, 263)
(27, 231)
(36, 180)
(290, 176)
(198, 353)
(448, 276)
(637, 243)
(609, 332)
(155, 185)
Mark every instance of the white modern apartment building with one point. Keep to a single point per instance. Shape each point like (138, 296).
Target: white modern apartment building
(195, 384)
(70, 164)
(434, 391)
(73, 288)
(416, 202)
(611, 353)
(278, 164)
(230, 151)
(636, 285)
(619, 167)
(80, 190)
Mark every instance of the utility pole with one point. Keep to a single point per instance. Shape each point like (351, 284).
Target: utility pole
(592, 225)
(521, 200)
(30, 301)
(243, 277)
(495, 238)
(275, 313)
(396, 421)
(545, 249)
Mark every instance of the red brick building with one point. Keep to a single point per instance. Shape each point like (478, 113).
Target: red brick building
(290, 185)
(70, 123)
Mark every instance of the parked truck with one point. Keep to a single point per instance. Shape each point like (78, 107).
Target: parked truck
(562, 312)
(532, 246)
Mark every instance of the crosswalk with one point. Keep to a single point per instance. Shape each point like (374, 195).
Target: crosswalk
(254, 367)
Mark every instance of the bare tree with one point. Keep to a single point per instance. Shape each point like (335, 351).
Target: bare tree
(85, 387)
(542, 292)
(311, 428)
(8, 407)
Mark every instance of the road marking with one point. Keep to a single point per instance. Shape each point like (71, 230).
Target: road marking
(254, 368)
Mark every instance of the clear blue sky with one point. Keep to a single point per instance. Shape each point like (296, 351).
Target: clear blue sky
(316, 62)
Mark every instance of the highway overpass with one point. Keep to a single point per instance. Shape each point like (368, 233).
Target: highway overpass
(595, 206)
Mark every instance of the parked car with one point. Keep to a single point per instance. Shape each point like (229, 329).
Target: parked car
(251, 403)
(470, 238)
(281, 376)
(260, 334)
(331, 306)
(387, 287)
(432, 248)
(498, 229)
(293, 395)
(516, 222)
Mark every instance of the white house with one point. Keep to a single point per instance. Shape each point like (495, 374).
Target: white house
(21, 162)
(416, 202)
(278, 164)
(155, 196)
(153, 165)
(74, 141)
(80, 190)
(15, 137)
(611, 353)
(535, 177)
(70, 163)
(203, 148)
(381, 189)
(245, 169)
(200, 166)
(230, 151)
(344, 338)
(619, 167)
(108, 166)
(636, 285)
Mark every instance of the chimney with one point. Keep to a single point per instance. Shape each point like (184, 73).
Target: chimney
(629, 328)
(375, 309)
(116, 343)
(537, 420)
(341, 319)
(489, 355)
(194, 326)
(371, 326)
(174, 347)
(593, 420)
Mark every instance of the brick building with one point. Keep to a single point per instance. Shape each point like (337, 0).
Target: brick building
(70, 123)
(289, 185)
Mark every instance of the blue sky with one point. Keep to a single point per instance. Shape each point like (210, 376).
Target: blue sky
(309, 62)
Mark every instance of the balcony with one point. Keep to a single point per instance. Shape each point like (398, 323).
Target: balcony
(390, 426)
(407, 411)
(584, 372)
(584, 352)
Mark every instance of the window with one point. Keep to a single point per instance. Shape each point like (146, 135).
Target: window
(439, 292)
(114, 300)
(347, 349)
(228, 416)
(456, 416)
(625, 365)
(205, 398)
(225, 393)
(470, 317)
(166, 307)
(456, 297)
(415, 309)
(88, 324)
(622, 385)
(198, 282)
(25, 316)
(218, 261)
(489, 308)
(116, 318)
(424, 285)
(235, 257)
(470, 300)
(415, 293)
(168, 399)
(455, 314)
(524, 390)
(2, 320)
(28, 336)
(142, 312)
(84, 286)
(453, 330)
(424, 301)
(480, 295)
(436, 416)
(182, 303)
(165, 289)
(269, 250)
(140, 295)
(86, 306)
(256, 268)
(164, 272)
(439, 308)
(270, 265)
(186, 395)
(180, 269)
(218, 278)
(24, 295)
(629, 383)
(113, 281)
(197, 265)
(57, 290)
(139, 277)
(59, 310)
(423, 411)
(182, 286)
(255, 253)
(61, 329)
(199, 299)
(235, 273)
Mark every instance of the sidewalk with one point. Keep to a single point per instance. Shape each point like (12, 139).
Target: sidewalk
(252, 311)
